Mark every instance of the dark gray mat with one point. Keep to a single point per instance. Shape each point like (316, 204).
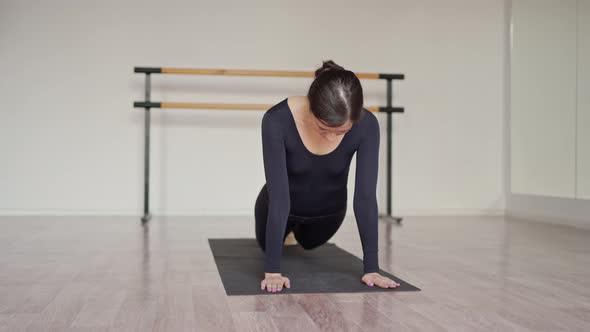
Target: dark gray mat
(326, 269)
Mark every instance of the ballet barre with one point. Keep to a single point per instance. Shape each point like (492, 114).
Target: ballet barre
(147, 105)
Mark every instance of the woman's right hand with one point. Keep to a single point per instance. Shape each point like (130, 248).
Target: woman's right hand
(274, 282)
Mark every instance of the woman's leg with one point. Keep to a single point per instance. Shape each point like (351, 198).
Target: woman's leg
(311, 232)
(261, 218)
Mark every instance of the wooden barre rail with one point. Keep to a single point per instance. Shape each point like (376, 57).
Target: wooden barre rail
(222, 106)
(250, 72)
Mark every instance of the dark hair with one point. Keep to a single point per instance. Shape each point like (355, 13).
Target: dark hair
(335, 95)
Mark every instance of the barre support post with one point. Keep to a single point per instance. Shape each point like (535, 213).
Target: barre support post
(146, 180)
(388, 216)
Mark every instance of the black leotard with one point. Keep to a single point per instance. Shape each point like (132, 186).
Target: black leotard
(306, 184)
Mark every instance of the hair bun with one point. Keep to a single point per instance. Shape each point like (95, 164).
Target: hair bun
(326, 66)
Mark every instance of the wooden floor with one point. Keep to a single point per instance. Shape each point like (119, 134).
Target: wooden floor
(111, 274)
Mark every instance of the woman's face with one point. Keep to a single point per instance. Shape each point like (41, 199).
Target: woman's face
(331, 133)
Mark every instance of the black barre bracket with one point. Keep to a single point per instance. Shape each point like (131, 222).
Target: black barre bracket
(392, 76)
(144, 104)
(391, 109)
(148, 70)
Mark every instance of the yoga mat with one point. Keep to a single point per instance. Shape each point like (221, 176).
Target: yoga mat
(325, 269)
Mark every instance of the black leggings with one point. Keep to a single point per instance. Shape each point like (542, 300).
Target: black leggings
(310, 232)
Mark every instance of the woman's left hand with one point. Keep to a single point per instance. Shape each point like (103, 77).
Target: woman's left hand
(375, 278)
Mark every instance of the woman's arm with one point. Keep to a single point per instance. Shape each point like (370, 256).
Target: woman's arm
(277, 183)
(365, 192)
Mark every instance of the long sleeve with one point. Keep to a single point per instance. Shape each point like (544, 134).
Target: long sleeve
(277, 182)
(365, 193)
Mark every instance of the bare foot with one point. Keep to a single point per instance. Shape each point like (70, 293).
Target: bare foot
(290, 240)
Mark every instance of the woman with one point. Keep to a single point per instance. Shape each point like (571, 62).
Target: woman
(308, 143)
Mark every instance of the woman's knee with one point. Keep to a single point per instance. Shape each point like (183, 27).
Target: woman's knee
(307, 245)
(313, 237)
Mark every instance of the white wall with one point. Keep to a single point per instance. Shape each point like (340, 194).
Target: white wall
(543, 118)
(583, 117)
(71, 143)
(550, 111)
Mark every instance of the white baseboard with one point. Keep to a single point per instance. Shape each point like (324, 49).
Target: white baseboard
(554, 210)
